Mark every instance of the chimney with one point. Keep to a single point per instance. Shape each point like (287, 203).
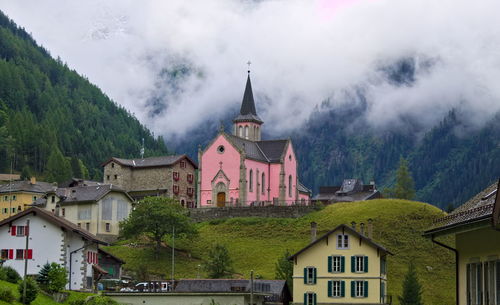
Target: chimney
(353, 225)
(362, 228)
(370, 228)
(33, 180)
(313, 231)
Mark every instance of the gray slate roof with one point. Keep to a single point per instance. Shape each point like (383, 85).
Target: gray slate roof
(477, 208)
(248, 111)
(77, 194)
(303, 189)
(26, 186)
(151, 162)
(350, 190)
(264, 151)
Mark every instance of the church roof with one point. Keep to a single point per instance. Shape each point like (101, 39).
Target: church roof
(265, 151)
(248, 111)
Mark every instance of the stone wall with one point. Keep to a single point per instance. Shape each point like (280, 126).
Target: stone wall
(204, 214)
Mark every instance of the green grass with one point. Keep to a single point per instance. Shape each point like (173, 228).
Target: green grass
(256, 243)
(42, 299)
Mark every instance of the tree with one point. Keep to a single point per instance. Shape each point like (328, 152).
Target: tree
(284, 269)
(76, 168)
(219, 262)
(155, 217)
(58, 168)
(26, 173)
(31, 290)
(405, 186)
(57, 278)
(412, 290)
(43, 276)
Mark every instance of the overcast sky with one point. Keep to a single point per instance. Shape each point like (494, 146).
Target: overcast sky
(303, 51)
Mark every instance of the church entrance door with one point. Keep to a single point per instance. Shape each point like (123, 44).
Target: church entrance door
(221, 199)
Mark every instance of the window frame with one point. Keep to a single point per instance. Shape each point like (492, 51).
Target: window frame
(310, 275)
(359, 261)
(19, 251)
(344, 242)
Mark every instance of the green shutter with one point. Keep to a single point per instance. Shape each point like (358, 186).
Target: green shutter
(305, 298)
(314, 299)
(353, 264)
(305, 275)
(330, 288)
(330, 263)
(342, 288)
(366, 264)
(342, 264)
(353, 289)
(314, 275)
(365, 290)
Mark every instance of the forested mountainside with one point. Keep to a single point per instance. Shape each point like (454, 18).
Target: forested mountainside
(49, 114)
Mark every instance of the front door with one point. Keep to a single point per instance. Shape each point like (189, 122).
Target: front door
(221, 199)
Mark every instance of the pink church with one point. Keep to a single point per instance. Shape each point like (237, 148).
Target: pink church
(240, 169)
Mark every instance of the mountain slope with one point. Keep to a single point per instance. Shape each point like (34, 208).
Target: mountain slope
(45, 106)
(256, 243)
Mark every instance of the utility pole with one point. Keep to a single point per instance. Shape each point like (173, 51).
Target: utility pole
(251, 287)
(173, 256)
(27, 233)
(10, 189)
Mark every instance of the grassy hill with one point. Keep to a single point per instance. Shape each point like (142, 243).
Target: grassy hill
(256, 243)
(41, 299)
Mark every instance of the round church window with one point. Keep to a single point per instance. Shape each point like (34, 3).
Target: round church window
(220, 149)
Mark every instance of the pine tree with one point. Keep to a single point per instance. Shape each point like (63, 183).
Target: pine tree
(412, 290)
(58, 168)
(76, 168)
(43, 276)
(405, 186)
(219, 262)
(26, 173)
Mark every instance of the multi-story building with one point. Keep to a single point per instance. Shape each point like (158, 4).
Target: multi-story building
(242, 169)
(168, 176)
(15, 196)
(343, 266)
(474, 228)
(51, 239)
(96, 208)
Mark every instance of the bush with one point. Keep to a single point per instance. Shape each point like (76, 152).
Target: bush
(6, 295)
(3, 274)
(52, 278)
(100, 300)
(31, 291)
(77, 302)
(11, 275)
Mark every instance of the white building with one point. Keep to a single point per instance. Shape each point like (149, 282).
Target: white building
(51, 239)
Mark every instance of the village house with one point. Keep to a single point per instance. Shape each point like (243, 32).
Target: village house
(111, 264)
(50, 239)
(15, 196)
(343, 266)
(96, 208)
(241, 169)
(167, 176)
(475, 229)
(350, 190)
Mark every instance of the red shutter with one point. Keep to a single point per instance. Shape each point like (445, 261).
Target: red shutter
(96, 259)
(26, 230)
(13, 230)
(11, 253)
(30, 253)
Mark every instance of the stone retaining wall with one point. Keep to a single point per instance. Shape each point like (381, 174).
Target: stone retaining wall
(204, 214)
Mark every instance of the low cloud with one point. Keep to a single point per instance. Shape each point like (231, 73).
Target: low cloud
(176, 63)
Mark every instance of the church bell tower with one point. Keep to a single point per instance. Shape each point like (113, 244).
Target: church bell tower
(247, 124)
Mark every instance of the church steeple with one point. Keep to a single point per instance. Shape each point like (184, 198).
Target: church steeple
(247, 123)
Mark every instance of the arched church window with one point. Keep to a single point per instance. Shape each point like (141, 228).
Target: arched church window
(246, 132)
(257, 135)
(241, 131)
(250, 182)
(263, 183)
(290, 186)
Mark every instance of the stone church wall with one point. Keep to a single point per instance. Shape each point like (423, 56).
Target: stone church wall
(204, 214)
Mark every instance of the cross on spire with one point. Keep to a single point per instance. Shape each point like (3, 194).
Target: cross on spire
(249, 63)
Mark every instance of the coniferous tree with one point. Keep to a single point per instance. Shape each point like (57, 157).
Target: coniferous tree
(219, 262)
(405, 186)
(58, 168)
(284, 269)
(26, 173)
(43, 276)
(76, 168)
(412, 290)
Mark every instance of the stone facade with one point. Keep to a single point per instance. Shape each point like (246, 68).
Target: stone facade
(174, 180)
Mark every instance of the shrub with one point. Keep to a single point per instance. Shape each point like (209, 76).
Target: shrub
(100, 300)
(6, 295)
(31, 291)
(3, 274)
(11, 275)
(77, 302)
(52, 278)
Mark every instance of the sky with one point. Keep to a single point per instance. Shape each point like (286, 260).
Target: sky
(302, 52)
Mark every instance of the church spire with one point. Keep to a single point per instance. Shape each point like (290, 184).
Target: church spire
(248, 104)
(247, 124)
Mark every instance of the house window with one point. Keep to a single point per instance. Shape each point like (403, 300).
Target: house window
(79, 225)
(290, 186)
(336, 289)
(21, 230)
(250, 184)
(53, 198)
(359, 289)
(63, 212)
(474, 283)
(4, 254)
(176, 189)
(116, 177)
(309, 298)
(383, 266)
(359, 263)
(190, 191)
(183, 164)
(107, 177)
(5, 198)
(190, 178)
(19, 253)
(263, 183)
(310, 275)
(87, 226)
(175, 176)
(336, 263)
(246, 132)
(108, 227)
(14, 197)
(14, 210)
(241, 131)
(34, 198)
(342, 241)
(112, 165)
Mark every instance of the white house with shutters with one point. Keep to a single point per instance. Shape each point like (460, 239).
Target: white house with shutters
(50, 239)
(343, 266)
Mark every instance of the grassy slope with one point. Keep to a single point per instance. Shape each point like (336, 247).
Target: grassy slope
(256, 243)
(41, 299)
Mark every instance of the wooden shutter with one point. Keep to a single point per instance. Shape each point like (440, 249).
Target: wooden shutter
(342, 264)
(468, 285)
(305, 276)
(13, 230)
(11, 253)
(314, 275)
(342, 288)
(365, 289)
(305, 298)
(26, 230)
(353, 289)
(330, 263)
(366, 264)
(353, 264)
(330, 288)
(30, 253)
(314, 299)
